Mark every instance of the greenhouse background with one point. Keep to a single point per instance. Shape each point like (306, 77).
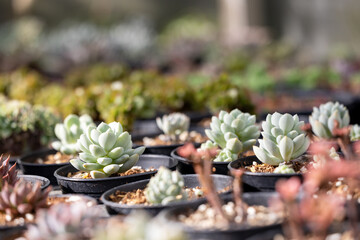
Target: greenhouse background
(176, 120)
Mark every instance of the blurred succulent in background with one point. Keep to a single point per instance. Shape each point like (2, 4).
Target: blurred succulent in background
(323, 119)
(284, 169)
(65, 221)
(233, 132)
(355, 132)
(22, 84)
(165, 187)
(23, 198)
(139, 225)
(124, 104)
(7, 174)
(173, 124)
(96, 74)
(106, 150)
(222, 94)
(24, 127)
(70, 131)
(283, 139)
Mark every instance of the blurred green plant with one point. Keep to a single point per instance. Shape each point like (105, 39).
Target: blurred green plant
(24, 127)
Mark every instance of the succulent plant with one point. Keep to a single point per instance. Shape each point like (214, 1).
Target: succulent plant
(7, 174)
(165, 187)
(22, 198)
(70, 131)
(106, 150)
(284, 169)
(283, 139)
(355, 133)
(173, 124)
(235, 131)
(322, 119)
(64, 221)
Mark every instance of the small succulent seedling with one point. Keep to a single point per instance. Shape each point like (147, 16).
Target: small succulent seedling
(283, 139)
(324, 118)
(233, 132)
(7, 174)
(106, 150)
(284, 169)
(69, 132)
(355, 133)
(173, 124)
(22, 198)
(165, 187)
(64, 221)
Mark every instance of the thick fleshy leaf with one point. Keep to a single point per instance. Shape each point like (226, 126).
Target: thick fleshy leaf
(78, 164)
(116, 127)
(139, 150)
(286, 148)
(335, 116)
(234, 145)
(275, 118)
(320, 130)
(226, 128)
(97, 151)
(129, 163)
(265, 157)
(107, 140)
(286, 123)
(92, 166)
(292, 134)
(277, 131)
(103, 127)
(229, 136)
(124, 140)
(87, 157)
(111, 169)
(248, 144)
(228, 119)
(122, 159)
(104, 161)
(97, 174)
(237, 124)
(95, 135)
(299, 141)
(56, 145)
(272, 148)
(70, 120)
(116, 152)
(302, 149)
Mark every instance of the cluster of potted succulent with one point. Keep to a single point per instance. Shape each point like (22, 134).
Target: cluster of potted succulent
(100, 164)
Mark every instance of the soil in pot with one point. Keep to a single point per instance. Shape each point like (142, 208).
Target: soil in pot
(132, 171)
(95, 187)
(70, 199)
(185, 165)
(33, 179)
(123, 199)
(44, 163)
(203, 222)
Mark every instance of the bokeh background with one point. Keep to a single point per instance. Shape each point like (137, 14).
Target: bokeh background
(129, 60)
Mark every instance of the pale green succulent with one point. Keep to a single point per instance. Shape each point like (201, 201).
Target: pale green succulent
(106, 150)
(173, 124)
(283, 139)
(235, 131)
(355, 133)
(322, 119)
(208, 145)
(69, 132)
(165, 187)
(284, 169)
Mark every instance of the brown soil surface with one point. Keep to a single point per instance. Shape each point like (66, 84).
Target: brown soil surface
(55, 158)
(67, 199)
(5, 221)
(133, 170)
(299, 165)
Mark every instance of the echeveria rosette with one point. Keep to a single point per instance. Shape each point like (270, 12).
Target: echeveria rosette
(106, 150)
(355, 133)
(284, 169)
(234, 125)
(322, 119)
(69, 132)
(173, 124)
(283, 139)
(165, 187)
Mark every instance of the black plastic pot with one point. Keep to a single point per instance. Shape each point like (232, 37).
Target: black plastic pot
(12, 232)
(234, 231)
(96, 187)
(14, 160)
(261, 181)
(34, 179)
(191, 181)
(185, 165)
(28, 165)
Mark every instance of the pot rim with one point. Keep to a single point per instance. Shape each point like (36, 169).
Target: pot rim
(43, 152)
(173, 162)
(107, 202)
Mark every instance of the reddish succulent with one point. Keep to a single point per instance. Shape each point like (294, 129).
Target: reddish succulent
(22, 198)
(7, 174)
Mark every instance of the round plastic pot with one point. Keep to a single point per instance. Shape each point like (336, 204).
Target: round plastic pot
(96, 187)
(191, 181)
(29, 166)
(234, 232)
(185, 165)
(264, 182)
(34, 179)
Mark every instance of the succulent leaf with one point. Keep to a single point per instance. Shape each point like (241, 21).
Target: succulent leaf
(106, 150)
(173, 124)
